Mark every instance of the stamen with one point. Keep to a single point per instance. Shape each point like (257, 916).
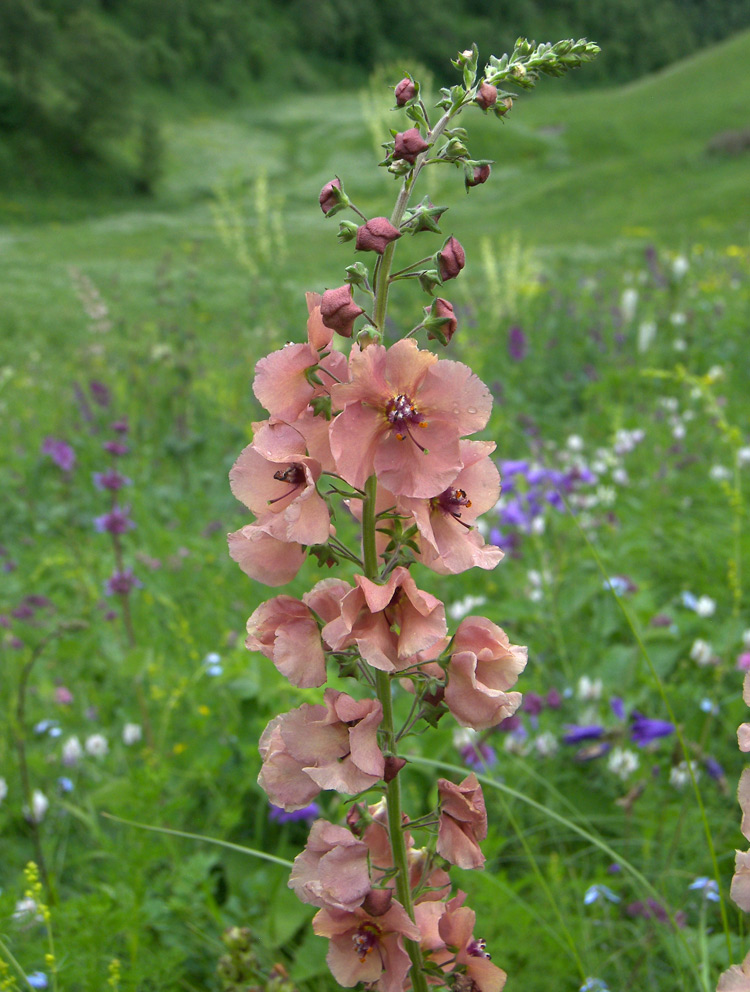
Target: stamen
(365, 939)
(294, 475)
(449, 502)
(401, 414)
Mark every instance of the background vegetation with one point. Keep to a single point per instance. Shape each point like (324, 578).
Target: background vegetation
(613, 237)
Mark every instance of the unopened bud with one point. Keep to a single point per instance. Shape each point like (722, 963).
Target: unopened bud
(435, 696)
(378, 901)
(393, 766)
(405, 91)
(503, 106)
(409, 144)
(519, 70)
(347, 231)
(451, 259)
(369, 335)
(429, 279)
(376, 235)
(440, 321)
(476, 176)
(333, 198)
(339, 311)
(455, 149)
(486, 96)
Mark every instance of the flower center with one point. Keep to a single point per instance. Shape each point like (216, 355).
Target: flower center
(293, 476)
(365, 939)
(478, 948)
(402, 415)
(451, 501)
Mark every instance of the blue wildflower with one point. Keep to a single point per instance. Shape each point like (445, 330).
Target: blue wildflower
(707, 886)
(644, 730)
(574, 733)
(37, 980)
(596, 892)
(307, 814)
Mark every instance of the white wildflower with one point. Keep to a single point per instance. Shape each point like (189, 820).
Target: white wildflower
(677, 319)
(546, 744)
(646, 334)
(39, 807)
(3, 789)
(679, 344)
(131, 733)
(629, 303)
(574, 442)
(719, 473)
(96, 745)
(705, 606)
(72, 752)
(701, 652)
(462, 607)
(679, 775)
(589, 689)
(623, 762)
(680, 265)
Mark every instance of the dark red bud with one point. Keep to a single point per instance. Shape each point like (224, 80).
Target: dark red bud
(330, 196)
(486, 96)
(405, 91)
(378, 901)
(392, 767)
(409, 144)
(339, 311)
(481, 175)
(376, 235)
(442, 309)
(434, 698)
(451, 259)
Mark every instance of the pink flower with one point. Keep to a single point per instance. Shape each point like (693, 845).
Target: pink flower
(448, 541)
(404, 412)
(743, 661)
(483, 666)
(263, 557)
(389, 623)
(366, 948)
(376, 235)
(275, 479)
(285, 630)
(333, 746)
(333, 868)
(456, 927)
(736, 978)
(282, 384)
(463, 822)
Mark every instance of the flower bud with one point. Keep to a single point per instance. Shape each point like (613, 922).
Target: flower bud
(347, 231)
(333, 198)
(339, 311)
(440, 321)
(393, 766)
(409, 144)
(486, 96)
(451, 259)
(404, 92)
(369, 335)
(429, 279)
(378, 901)
(478, 175)
(376, 235)
(503, 106)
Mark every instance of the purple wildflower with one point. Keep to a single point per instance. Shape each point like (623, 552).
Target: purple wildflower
(111, 480)
(117, 521)
(116, 448)
(306, 815)
(644, 730)
(23, 612)
(100, 392)
(553, 699)
(533, 703)
(513, 467)
(713, 768)
(121, 583)
(517, 344)
(60, 452)
(618, 707)
(121, 425)
(478, 755)
(575, 733)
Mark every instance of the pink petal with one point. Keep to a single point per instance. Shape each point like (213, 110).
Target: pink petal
(280, 384)
(264, 558)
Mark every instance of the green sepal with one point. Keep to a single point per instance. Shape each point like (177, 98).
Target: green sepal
(423, 217)
(321, 406)
(358, 274)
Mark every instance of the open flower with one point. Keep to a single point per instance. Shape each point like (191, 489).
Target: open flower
(463, 822)
(367, 948)
(333, 868)
(448, 940)
(482, 668)
(403, 414)
(263, 557)
(389, 623)
(285, 630)
(333, 746)
(449, 542)
(283, 381)
(275, 479)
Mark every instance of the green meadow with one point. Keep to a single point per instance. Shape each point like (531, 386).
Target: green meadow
(605, 302)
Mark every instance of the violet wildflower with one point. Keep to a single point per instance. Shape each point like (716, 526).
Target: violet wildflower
(111, 480)
(63, 695)
(644, 730)
(116, 448)
(553, 699)
(100, 392)
(121, 583)
(305, 815)
(743, 661)
(60, 452)
(517, 345)
(714, 769)
(121, 425)
(618, 707)
(575, 733)
(117, 521)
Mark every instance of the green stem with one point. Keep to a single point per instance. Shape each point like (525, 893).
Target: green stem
(393, 788)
